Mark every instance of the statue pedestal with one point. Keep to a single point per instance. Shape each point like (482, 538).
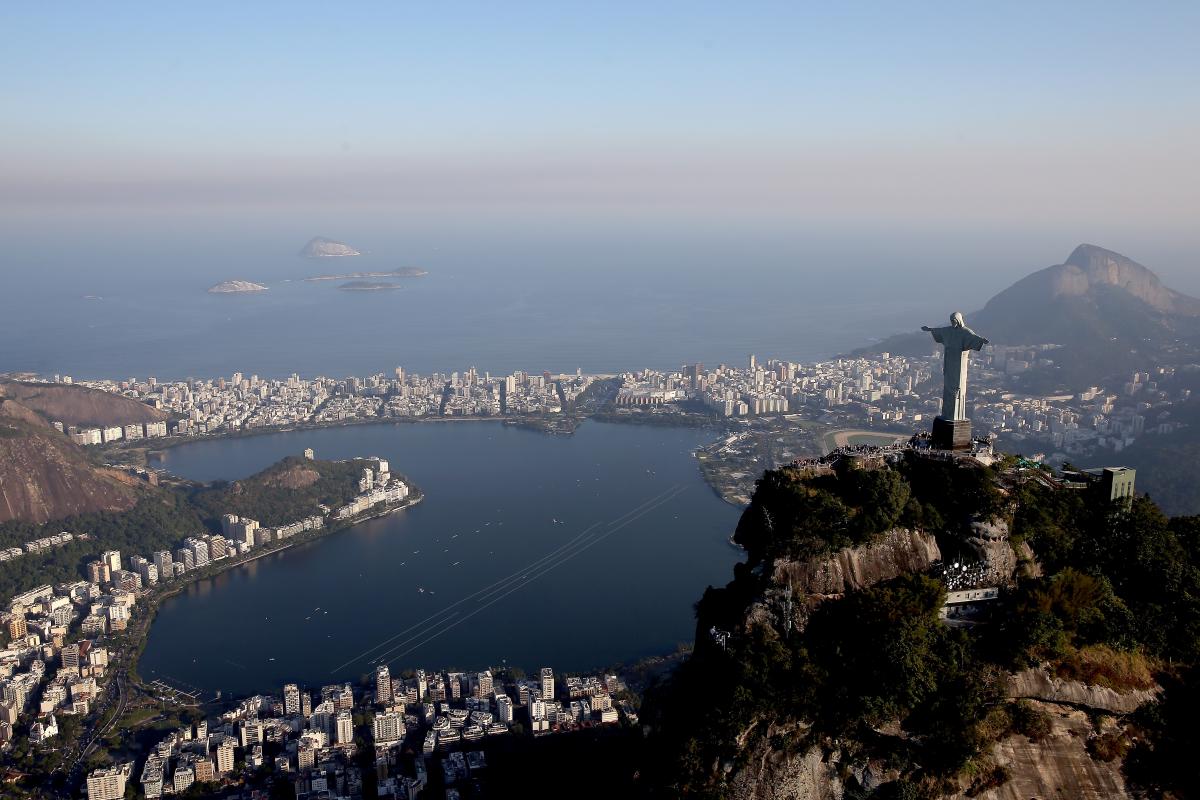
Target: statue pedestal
(951, 434)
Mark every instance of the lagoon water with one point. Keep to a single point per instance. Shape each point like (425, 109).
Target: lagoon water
(532, 550)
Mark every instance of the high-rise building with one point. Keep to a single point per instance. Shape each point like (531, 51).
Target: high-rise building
(483, 684)
(112, 558)
(344, 731)
(109, 783)
(17, 627)
(504, 709)
(291, 699)
(70, 656)
(225, 757)
(184, 556)
(422, 685)
(383, 684)
(164, 563)
(99, 572)
(388, 728)
(199, 549)
(250, 732)
(547, 684)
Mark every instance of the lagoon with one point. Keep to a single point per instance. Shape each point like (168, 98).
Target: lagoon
(528, 550)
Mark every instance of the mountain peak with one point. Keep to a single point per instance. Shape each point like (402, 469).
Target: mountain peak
(1087, 254)
(1089, 267)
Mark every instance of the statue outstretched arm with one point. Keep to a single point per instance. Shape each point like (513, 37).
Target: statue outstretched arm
(937, 333)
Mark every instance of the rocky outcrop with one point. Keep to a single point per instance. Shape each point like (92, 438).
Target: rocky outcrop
(1090, 266)
(768, 774)
(1058, 765)
(989, 541)
(1038, 684)
(898, 552)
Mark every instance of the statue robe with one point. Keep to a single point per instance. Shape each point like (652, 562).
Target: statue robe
(957, 341)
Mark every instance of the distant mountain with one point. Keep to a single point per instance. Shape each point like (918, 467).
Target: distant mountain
(1111, 314)
(44, 476)
(320, 247)
(78, 405)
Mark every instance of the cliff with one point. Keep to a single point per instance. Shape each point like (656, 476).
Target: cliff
(1058, 764)
(898, 552)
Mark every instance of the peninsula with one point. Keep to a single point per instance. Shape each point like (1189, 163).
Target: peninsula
(236, 287)
(320, 247)
(402, 272)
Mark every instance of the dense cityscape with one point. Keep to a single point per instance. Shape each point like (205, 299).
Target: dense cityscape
(888, 391)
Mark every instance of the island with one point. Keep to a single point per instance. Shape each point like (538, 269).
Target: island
(368, 286)
(320, 247)
(236, 287)
(402, 272)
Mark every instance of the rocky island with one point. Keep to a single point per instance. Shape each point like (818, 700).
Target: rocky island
(368, 286)
(235, 287)
(402, 272)
(320, 247)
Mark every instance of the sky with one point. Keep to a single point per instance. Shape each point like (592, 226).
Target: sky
(1077, 116)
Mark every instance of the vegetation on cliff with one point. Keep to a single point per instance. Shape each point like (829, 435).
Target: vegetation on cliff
(878, 676)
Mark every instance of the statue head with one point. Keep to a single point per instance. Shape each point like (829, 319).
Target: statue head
(956, 319)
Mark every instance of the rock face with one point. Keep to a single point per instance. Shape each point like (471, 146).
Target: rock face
(1057, 766)
(234, 287)
(320, 247)
(771, 775)
(1037, 684)
(43, 476)
(898, 552)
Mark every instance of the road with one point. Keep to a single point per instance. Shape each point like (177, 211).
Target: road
(122, 698)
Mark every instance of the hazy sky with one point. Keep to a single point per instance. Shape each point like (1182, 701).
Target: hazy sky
(1038, 114)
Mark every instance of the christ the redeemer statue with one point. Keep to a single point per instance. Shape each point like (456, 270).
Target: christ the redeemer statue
(958, 340)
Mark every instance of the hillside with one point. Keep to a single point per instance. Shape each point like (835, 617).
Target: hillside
(43, 476)
(282, 493)
(1111, 314)
(79, 405)
(832, 674)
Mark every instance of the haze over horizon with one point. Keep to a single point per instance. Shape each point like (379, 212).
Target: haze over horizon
(874, 165)
(778, 113)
